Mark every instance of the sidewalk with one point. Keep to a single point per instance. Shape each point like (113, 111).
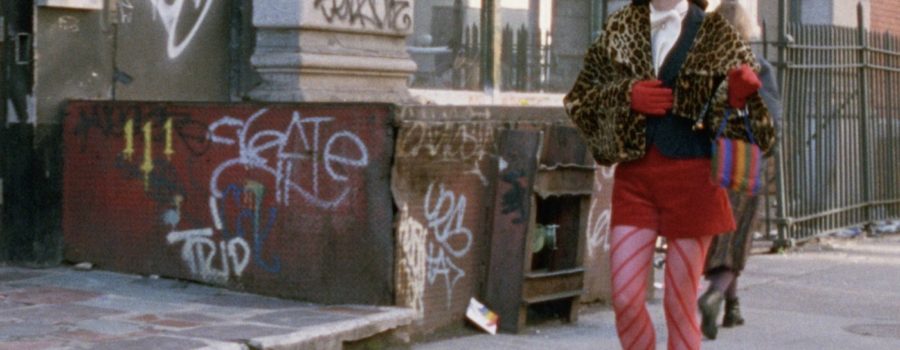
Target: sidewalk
(62, 308)
(836, 294)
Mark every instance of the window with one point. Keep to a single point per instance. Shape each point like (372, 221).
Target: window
(448, 44)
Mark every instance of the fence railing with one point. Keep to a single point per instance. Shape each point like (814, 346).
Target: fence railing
(527, 62)
(840, 148)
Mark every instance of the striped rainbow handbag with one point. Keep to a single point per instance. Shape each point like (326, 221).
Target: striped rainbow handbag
(737, 164)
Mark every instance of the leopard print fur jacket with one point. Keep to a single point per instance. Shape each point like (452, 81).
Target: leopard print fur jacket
(600, 102)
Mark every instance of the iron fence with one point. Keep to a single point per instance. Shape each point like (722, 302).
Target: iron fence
(527, 62)
(840, 149)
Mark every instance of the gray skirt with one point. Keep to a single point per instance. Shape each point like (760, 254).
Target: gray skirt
(731, 250)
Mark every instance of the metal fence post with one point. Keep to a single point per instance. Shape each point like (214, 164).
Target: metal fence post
(490, 46)
(782, 241)
(866, 149)
(458, 40)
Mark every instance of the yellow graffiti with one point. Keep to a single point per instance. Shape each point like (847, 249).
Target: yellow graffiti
(129, 140)
(147, 166)
(169, 151)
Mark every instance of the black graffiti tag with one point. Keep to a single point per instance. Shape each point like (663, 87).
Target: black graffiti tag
(393, 14)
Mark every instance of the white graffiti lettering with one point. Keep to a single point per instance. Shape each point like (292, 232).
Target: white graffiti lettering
(126, 11)
(199, 252)
(298, 156)
(170, 12)
(445, 219)
(598, 221)
(411, 269)
(467, 143)
(68, 23)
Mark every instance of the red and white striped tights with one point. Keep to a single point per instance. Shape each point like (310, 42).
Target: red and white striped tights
(631, 260)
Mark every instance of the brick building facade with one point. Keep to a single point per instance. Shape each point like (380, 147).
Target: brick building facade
(885, 16)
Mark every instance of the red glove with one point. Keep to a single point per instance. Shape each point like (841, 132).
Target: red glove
(742, 82)
(650, 98)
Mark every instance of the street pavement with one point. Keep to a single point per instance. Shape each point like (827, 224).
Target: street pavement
(64, 308)
(833, 294)
(830, 294)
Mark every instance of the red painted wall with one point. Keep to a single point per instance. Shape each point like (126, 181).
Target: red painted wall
(287, 200)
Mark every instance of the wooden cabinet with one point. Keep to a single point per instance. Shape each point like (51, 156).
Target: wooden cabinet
(540, 217)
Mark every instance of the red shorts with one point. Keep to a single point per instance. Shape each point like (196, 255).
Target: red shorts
(675, 197)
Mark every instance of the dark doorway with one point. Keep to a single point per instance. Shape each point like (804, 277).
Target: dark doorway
(17, 133)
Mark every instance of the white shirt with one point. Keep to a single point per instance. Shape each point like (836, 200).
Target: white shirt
(665, 27)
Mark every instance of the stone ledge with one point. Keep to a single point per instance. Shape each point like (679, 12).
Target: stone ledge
(294, 61)
(331, 336)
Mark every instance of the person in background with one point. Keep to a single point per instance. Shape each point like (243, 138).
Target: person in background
(641, 102)
(728, 253)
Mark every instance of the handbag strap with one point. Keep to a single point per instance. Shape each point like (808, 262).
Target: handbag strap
(745, 114)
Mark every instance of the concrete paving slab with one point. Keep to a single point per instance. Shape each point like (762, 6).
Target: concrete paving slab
(20, 330)
(132, 305)
(234, 333)
(58, 313)
(333, 334)
(49, 295)
(63, 308)
(166, 321)
(18, 274)
(156, 342)
(108, 327)
(299, 318)
(192, 317)
(31, 345)
(248, 301)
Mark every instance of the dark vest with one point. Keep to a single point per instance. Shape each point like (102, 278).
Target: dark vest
(674, 136)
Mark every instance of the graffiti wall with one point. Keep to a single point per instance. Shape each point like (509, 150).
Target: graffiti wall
(444, 181)
(597, 272)
(160, 50)
(286, 200)
(443, 169)
(160, 43)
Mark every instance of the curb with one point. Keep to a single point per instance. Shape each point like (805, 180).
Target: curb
(331, 336)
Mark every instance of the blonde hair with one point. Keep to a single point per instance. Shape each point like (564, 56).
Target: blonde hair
(735, 14)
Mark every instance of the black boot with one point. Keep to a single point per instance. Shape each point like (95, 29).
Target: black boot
(732, 313)
(709, 304)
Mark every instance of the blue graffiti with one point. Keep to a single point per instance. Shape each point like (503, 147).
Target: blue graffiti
(249, 200)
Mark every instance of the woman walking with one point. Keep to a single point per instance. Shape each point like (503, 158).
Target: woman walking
(728, 253)
(643, 101)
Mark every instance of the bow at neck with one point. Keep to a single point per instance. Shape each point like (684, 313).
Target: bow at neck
(674, 16)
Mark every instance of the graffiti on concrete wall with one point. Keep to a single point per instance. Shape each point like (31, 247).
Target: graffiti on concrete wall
(229, 191)
(146, 131)
(199, 250)
(68, 24)
(448, 182)
(600, 214)
(296, 158)
(125, 11)
(377, 14)
(466, 143)
(436, 138)
(452, 240)
(174, 16)
(290, 155)
(412, 237)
